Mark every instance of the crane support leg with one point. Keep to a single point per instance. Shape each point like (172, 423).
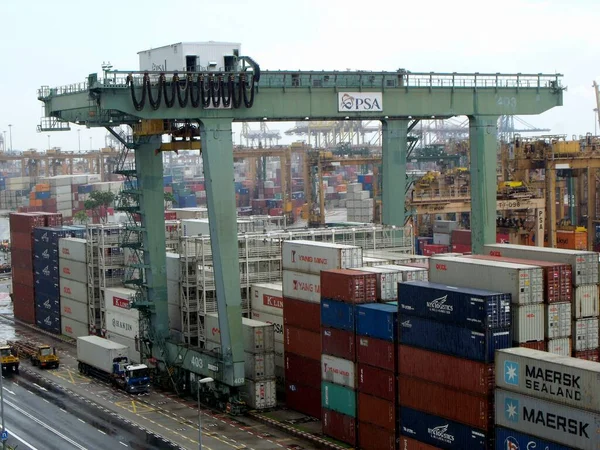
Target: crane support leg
(394, 146)
(551, 206)
(591, 207)
(217, 157)
(483, 131)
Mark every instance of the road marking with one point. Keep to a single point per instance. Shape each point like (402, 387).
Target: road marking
(100, 431)
(123, 443)
(134, 406)
(63, 410)
(82, 421)
(45, 400)
(40, 387)
(12, 433)
(9, 391)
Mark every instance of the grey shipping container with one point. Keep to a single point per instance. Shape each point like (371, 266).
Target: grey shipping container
(584, 263)
(387, 282)
(528, 323)
(558, 320)
(525, 283)
(585, 334)
(259, 366)
(408, 273)
(573, 427)
(260, 394)
(559, 379)
(259, 337)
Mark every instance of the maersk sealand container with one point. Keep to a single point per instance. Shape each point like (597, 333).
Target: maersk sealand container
(451, 339)
(472, 308)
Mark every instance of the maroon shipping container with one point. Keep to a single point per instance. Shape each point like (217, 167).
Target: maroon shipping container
(557, 277)
(589, 355)
(377, 382)
(25, 222)
(460, 248)
(534, 345)
(21, 258)
(302, 342)
(434, 249)
(458, 373)
(299, 369)
(21, 241)
(407, 443)
(376, 352)
(339, 426)
(22, 276)
(52, 219)
(350, 286)
(371, 437)
(23, 303)
(338, 343)
(376, 411)
(461, 237)
(467, 408)
(300, 314)
(304, 399)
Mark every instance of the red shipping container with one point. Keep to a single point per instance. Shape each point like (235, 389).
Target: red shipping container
(338, 343)
(25, 222)
(22, 241)
(21, 258)
(589, 355)
(376, 411)
(502, 238)
(24, 303)
(461, 237)
(460, 248)
(377, 382)
(458, 373)
(339, 426)
(170, 215)
(299, 369)
(534, 345)
(52, 219)
(371, 437)
(304, 399)
(434, 249)
(376, 352)
(49, 202)
(350, 286)
(302, 342)
(469, 409)
(407, 443)
(23, 276)
(300, 314)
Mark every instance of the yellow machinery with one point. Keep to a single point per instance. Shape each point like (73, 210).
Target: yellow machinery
(513, 190)
(10, 362)
(41, 355)
(428, 179)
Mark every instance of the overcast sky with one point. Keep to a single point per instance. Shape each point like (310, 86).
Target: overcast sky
(60, 42)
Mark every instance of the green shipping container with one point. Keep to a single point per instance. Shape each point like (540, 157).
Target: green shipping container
(392, 303)
(338, 398)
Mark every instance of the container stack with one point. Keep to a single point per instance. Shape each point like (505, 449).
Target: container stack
(122, 321)
(173, 288)
(442, 232)
(342, 290)
(584, 304)
(359, 204)
(302, 262)
(546, 401)
(259, 359)
(74, 308)
(524, 282)
(447, 340)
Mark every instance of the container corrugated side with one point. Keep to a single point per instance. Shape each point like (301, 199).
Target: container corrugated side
(260, 394)
(304, 399)
(585, 334)
(302, 314)
(376, 353)
(73, 249)
(558, 320)
(387, 282)
(257, 336)
(121, 324)
(441, 432)
(408, 272)
(302, 286)
(276, 321)
(472, 308)
(510, 439)
(377, 320)
(453, 340)
(528, 323)
(301, 370)
(302, 342)
(585, 301)
(371, 437)
(98, 352)
(258, 367)
(74, 310)
(377, 411)
(525, 283)
(560, 346)
(312, 257)
(339, 426)
(73, 328)
(338, 370)
(73, 270)
(267, 298)
(338, 343)
(580, 429)
(349, 285)
(377, 382)
(338, 398)
(73, 289)
(337, 314)
(555, 378)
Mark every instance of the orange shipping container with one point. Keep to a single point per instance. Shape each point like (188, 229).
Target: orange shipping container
(42, 187)
(571, 240)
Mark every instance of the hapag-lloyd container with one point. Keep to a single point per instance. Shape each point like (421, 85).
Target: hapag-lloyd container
(585, 334)
(377, 320)
(441, 432)
(387, 282)
(338, 398)
(72, 270)
(339, 426)
(339, 371)
(471, 308)
(510, 439)
(456, 373)
(377, 411)
(528, 323)
(338, 314)
(376, 352)
(575, 428)
(302, 342)
(585, 301)
(312, 257)
(267, 298)
(276, 321)
(377, 382)
(560, 346)
(464, 407)
(525, 283)
(583, 263)
(259, 366)
(258, 337)
(371, 437)
(301, 314)
(408, 273)
(302, 286)
(458, 341)
(338, 343)
(73, 289)
(348, 285)
(74, 310)
(303, 398)
(260, 394)
(299, 369)
(73, 249)
(558, 320)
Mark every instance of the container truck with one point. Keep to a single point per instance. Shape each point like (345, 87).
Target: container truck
(109, 362)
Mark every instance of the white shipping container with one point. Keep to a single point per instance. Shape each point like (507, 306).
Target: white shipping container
(123, 325)
(584, 263)
(260, 394)
(277, 322)
(302, 286)
(175, 317)
(374, 262)
(119, 300)
(98, 352)
(441, 239)
(259, 366)
(72, 328)
(73, 289)
(279, 354)
(73, 249)
(561, 346)
(523, 282)
(194, 227)
(73, 309)
(558, 320)
(387, 282)
(408, 273)
(312, 257)
(267, 298)
(61, 190)
(173, 292)
(258, 337)
(338, 371)
(173, 267)
(444, 226)
(585, 301)
(527, 323)
(130, 256)
(585, 334)
(72, 270)
(132, 347)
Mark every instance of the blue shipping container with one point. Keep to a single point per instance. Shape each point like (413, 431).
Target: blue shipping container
(377, 320)
(472, 308)
(45, 253)
(47, 321)
(46, 286)
(42, 195)
(442, 433)
(513, 440)
(453, 340)
(84, 189)
(338, 315)
(45, 270)
(47, 303)
(51, 235)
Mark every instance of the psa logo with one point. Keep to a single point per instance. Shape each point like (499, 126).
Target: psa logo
(511, 409)
(511, 373)
(360, 101)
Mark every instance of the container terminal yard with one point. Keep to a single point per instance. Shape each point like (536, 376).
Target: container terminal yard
(394, 279)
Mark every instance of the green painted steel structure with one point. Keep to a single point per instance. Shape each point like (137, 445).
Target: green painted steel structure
(398, 99)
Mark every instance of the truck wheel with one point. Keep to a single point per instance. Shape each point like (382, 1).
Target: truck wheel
(56, 366)
(16, 369)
